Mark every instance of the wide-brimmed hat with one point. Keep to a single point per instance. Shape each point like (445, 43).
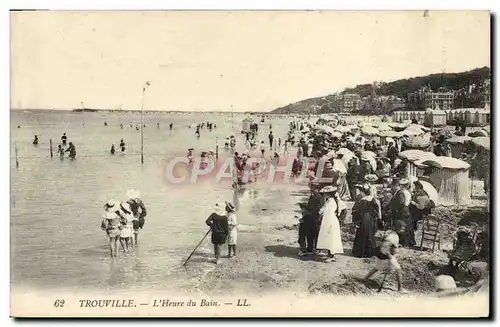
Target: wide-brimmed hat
(220, 208)
(328, 189)
(190, 149)
(404, 181)
(371, 178)
(230, 206)
(133, 194)
(111, 206)
(124, 206)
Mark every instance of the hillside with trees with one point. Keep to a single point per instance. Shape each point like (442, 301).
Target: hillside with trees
(468, 86)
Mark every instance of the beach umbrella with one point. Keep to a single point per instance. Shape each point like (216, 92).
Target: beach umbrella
(369, 130)
(418, 142)
(398, 126)
(390, 134)
(384, 127)
(416, 155)
(478, 133)
(352, 127)
(369, 154)
(487, 129)
(418, 126)
(412, 131)
(344, 152)
(430, 190)
(342, 129)
(483, 142)
(458, 139)
(365, 123)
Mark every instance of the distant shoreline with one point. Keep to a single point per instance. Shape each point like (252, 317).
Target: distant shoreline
(145, 111)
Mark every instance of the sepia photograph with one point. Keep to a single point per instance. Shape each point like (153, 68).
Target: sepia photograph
(219, 163)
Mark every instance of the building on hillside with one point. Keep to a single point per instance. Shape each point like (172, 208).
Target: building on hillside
(444, 100)
(351, 102)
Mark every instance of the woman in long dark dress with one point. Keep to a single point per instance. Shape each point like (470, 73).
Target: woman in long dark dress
(400, 212)
(365, 215)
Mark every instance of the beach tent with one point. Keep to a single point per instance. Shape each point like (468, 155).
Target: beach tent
(246, 123)
(435, 118)
(483, 142)
(413, 156)
(458, 145)
(450, 177)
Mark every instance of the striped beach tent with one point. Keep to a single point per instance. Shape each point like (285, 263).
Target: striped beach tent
(450, 177)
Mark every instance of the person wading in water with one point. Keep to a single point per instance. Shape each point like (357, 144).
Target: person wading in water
(111, 225)
(35, 141)
(112, 151)
(72, 150)
(64, 138)
(122, 145)
(60, 150)
(138, 211)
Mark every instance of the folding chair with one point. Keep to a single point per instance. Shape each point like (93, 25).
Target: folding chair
(430, 232)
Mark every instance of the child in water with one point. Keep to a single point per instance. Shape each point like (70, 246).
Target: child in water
(112, 149)
(60, 150)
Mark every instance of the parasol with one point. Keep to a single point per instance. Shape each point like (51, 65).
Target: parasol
(369, 154)
(369, 130)
(390, 134)
(416, 155)
(458, 139)
(342, 129)
(478, 133)
(384, 127)
(430, 190)
(483, 142)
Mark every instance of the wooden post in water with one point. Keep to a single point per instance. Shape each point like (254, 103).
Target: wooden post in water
(51, 153)
(217, 148)
(17, 159)
(142, 123)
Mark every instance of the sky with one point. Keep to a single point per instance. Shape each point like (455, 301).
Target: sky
(216, 60)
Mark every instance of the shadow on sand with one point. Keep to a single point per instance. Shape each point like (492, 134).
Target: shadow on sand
(285, 251)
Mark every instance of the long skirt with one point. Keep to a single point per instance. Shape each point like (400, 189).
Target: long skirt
(364, 241)
(343, 188)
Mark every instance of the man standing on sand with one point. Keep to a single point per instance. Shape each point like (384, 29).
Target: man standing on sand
(219, 226)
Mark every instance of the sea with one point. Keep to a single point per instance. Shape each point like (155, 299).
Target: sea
(57, 204)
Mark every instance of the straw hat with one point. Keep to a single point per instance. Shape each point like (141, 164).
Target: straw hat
(371, 178)
(230, 206)
(124, 206)
(111, 206)
(328, 189)
(220, 208)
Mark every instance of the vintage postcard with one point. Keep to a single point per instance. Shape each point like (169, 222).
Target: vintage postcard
(250, 163)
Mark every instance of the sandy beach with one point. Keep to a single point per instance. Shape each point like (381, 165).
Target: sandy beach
(267, 260)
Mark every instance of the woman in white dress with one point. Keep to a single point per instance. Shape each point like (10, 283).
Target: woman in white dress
(127, 225)
(329, 234)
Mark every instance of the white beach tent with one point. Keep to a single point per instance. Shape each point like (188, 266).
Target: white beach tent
(245, 124)
(450, 177)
